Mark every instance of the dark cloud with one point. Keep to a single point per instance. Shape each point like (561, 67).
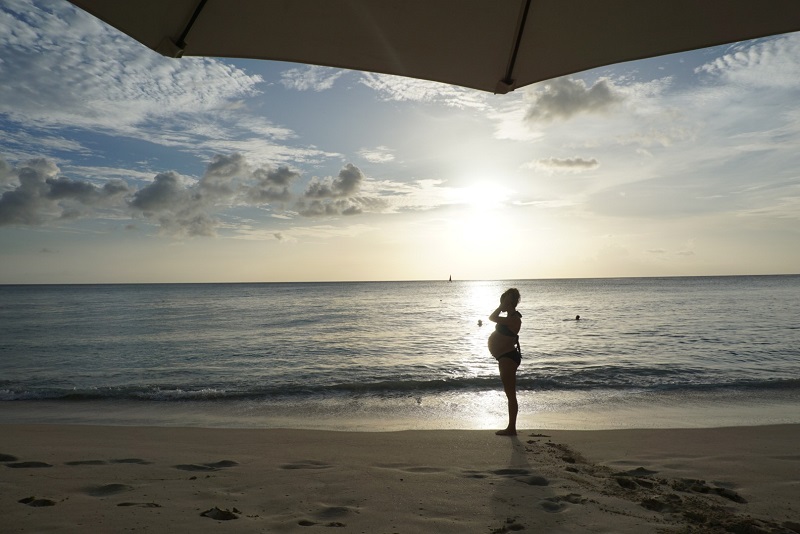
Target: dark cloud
(37, 195)
(178, 208)
(320, 208)
(271, 185)
(568, 164)
(181, 207)
(345, 185)
(337, 196)
(167, 192)
(564, 98)
(343, 206)
(223, 175)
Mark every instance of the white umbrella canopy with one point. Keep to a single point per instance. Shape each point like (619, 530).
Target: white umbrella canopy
(491, 45)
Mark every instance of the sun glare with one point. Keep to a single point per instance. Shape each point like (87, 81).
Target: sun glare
(478, 223)
(481, 196)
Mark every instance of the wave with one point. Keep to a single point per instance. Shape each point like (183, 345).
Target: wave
(377, 389)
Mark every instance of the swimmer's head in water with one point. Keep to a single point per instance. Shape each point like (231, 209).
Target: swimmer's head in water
(577, 317)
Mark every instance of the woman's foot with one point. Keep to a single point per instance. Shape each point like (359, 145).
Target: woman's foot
(506, 432)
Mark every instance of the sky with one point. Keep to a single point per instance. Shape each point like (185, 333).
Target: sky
(120, 165)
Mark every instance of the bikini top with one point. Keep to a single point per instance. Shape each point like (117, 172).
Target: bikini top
(504, 329)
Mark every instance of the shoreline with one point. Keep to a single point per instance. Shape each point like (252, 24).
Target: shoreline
(458, 411)
(161, 479)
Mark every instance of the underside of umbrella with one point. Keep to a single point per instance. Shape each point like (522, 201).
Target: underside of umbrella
(491, 45)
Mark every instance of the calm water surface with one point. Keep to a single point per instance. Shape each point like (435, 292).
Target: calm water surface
(401, 354)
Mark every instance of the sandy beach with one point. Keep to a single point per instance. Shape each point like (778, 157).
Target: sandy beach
(71, 478)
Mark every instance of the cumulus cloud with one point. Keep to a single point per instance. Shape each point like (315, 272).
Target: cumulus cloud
(338, 195)
(223, 175)
(564, 98)
(310, 78)
(167, 192)
(175, 206)
(184, 207)
(271, 185)
(36, 195)
(571, 165)
(346, 184)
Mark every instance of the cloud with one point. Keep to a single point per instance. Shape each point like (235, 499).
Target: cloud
(88, 75)
(311, 78)
(400, 89)
(62, 68)
(222, 174)
(183, 207)
(175, 206)
(564, 98)
(766, 63)
(572, 165)
(346, 184)
(272, 185)
(168, 192)
(379, 154)
(338, 196)
(36, 195)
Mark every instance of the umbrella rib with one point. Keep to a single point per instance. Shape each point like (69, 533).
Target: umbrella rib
(508, 80)
(182, 39)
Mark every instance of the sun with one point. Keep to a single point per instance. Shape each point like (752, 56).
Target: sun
(482, 196)
(479, 214)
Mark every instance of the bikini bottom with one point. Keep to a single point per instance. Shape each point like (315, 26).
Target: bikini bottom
(513, 354)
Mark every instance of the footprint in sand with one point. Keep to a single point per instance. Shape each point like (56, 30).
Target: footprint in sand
(329, 516)
(422, 469)
(221, 515)
(307, 523)
(474, 474)
(638, 472)
(216, 466)
(307, 464)
(107, 490)
(699, 486)
(36, 503)
(556, 504)
(534, 480)
(522, 475)
(28, 465)
(511, 471)
(667, 504)
(635, 483)
(510, 525)
(413, 468)
(138, 461)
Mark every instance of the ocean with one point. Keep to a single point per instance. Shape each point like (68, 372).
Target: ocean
(646, 352)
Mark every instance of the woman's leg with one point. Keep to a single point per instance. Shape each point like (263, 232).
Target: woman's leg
(508, 374)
